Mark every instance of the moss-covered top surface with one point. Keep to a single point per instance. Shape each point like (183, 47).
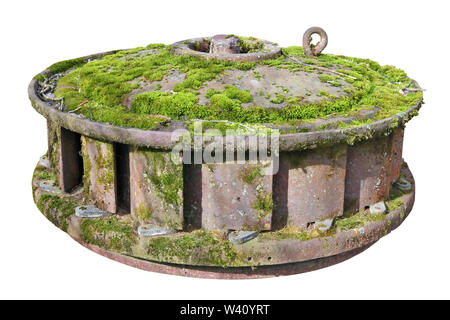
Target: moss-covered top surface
(148, 87)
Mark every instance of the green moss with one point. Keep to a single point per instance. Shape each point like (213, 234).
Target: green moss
(355, 123)
(358, 220)
(144, 212)
(323, 93)
(234, 94)
(250, 44)
(263, 204)
(291, 232)
(40, 77)
(395, 204)
(105, 164)
(65, 65)
(166, 177)
(257, 75)
(56, 209)
(42, 173)
(172, 105)
(109, 233)
(348, 90)
(250, 174)
(332, 80)
(119, 116)
(279, 98)
(243, 96)
(395, 199)
(200, 246)
(244, 66)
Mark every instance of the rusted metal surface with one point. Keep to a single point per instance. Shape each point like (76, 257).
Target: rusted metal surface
(396, 153)
(52, 140)
(236, 197)
(100, 173)
(53, 137)
(368, 173)
(70, 161)
(309, 186)
(310, 50)
(151, 202)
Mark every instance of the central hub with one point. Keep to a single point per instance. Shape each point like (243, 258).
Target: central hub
(223, 44)
(228, 47)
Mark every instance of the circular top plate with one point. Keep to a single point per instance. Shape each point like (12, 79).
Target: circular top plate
(140, 96)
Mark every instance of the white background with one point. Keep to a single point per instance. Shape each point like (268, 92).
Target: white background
(38, 260)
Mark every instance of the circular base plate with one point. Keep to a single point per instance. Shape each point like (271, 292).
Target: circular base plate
(298, 256)
(227, 273)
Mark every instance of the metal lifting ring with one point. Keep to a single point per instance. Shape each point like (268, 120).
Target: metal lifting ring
(314, 50)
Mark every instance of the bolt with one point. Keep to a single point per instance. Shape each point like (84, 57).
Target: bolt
(238, 237)
(378, 207)
(90, 211)
(153, 231)
(324, 225)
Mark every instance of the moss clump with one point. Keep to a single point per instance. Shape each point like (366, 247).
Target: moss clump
(109, 233)
(291, 232)
(58, 210)
(395, 199)
(232, 92)
(170, 105)
(144, 212)
(395, 204)
(245, 66)
(250, 44)
(105, 164)
(358, 220)
(263, 204)
(42, 173)
(323, 93)
(166, 177)
(65, 65)
(250, 174)
(199, 246)
(40, 77)
(333, 80)
(279, 98)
